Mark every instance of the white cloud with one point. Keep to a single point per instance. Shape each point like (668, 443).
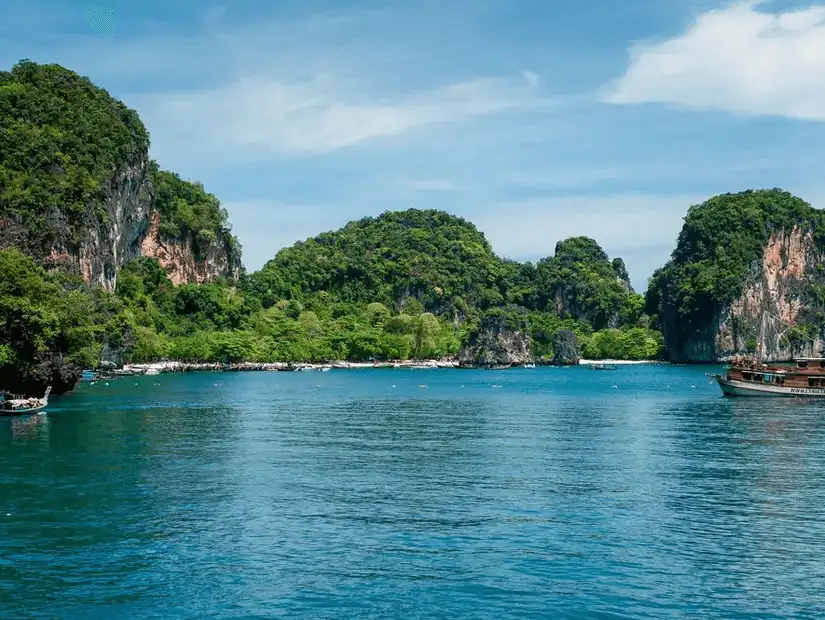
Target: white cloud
(738, 59)
(319, 115)
(531, 78)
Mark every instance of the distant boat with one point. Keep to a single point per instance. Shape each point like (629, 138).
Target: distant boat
(23, 405)
(498, 367)
(529, 365)
(88, 376)
(604, 367)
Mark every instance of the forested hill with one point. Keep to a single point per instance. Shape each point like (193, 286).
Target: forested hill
(743, 259)
(445, 264)
(76, 184)
(441, 261)
(106, 256)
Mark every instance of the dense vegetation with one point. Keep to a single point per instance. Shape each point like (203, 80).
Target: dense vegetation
(188, 211)
(48, 326)
(311, 303)
(61, 138)
(442, 261)
(405, 284)
(719, 242)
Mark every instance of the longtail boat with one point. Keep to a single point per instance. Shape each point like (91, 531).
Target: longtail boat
(603, 366)
(23, 405)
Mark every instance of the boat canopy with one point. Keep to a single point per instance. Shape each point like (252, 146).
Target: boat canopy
(805, 362)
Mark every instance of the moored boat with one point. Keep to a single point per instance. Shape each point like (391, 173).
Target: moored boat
(23, 405)
(751, 376)
(602, 366)
(748, 377)
(88, 376)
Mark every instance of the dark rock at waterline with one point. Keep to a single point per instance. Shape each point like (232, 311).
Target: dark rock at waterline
(566, 347)
(496, 342)
(48, 370)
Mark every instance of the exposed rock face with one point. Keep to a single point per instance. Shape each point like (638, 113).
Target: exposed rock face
(566, 348)
(778, 296)
(494, 343)
(182, 260)
(113, 240)
(122, 228)
(109, 234)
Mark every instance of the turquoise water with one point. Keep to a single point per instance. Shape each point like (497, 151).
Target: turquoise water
(545, 493)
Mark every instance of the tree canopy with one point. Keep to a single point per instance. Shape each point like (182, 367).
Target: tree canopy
(61, 138)
(718, 244)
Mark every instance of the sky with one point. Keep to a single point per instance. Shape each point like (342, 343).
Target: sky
(535, 119)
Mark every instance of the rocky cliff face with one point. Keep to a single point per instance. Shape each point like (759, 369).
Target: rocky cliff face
(185, 260)
(108, 236)
(111, 233)
(778, 300)
(495, 343)
(123, 227)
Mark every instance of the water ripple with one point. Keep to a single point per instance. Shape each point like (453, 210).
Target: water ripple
(359, 494)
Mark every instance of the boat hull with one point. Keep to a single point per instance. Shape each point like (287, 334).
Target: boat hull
(5, 413)
(732, 387)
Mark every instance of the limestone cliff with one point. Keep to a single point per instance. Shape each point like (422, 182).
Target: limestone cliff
(775, 306)
(748, 276)
(77, 189)
(186, 260)
(580, 282)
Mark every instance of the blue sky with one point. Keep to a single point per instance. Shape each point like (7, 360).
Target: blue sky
(536, 119)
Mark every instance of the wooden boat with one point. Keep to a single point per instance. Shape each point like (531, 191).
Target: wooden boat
(749, 376)
(23, 405)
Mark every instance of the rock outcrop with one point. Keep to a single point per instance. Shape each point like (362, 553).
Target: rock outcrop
(124, 227)
(77, 190)
(566, 348)
(747, 276)
(776, 307)
(185, 260)
(495, 343)
(111, 232)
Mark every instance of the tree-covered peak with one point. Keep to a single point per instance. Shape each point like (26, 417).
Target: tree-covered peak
(579, 250)
(720, 241)
(61, 139)
(439, 259)
(741, 224)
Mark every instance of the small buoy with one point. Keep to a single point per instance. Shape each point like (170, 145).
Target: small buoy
(422, 386)
(393, 384)
(8, 514)
(107, 383)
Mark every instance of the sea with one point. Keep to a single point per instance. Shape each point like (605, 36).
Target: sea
(413, 493)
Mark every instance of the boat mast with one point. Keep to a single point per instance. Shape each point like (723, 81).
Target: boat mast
(761, 342)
